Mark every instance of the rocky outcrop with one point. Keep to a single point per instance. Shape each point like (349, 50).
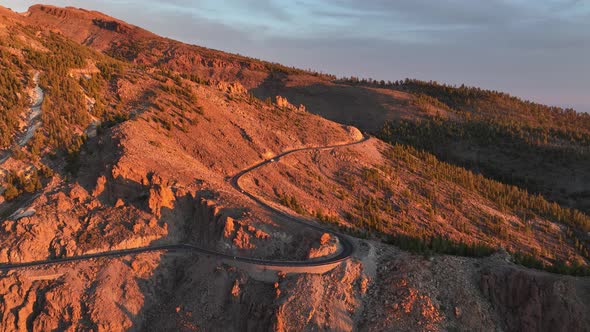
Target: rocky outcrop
(92, 296)
(70, 222)
(242, 239)
(212, 225)
(160, 196)
(233, 89)
(235, 290)
(354, 133)
(208, 224)
(327, 245)
(328, 304)
(100, 186)
(229, 228)
(282, 102)
(78, 193)
(111, 25)
(529, 300)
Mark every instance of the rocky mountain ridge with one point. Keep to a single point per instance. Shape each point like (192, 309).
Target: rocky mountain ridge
(177, 122)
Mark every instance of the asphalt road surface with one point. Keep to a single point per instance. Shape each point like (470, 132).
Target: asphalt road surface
(345, 252)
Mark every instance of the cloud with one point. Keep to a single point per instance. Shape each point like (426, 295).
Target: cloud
(535, 49)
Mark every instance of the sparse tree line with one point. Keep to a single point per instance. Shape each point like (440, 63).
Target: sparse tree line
(430, 133)
(65, 106)
(64, 109)
(491, 105)
(502, 194)
(25, 182)
(558, 266)
(436, 135)
(292, 203)
(13, 99)
(506, 197)
(440, 136)
(439, 245)
(368, 221)
(371, 207)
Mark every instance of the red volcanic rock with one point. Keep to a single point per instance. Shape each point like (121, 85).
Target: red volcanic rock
(153, 222)
(100, 186)
(259, 234)
(324, 239)
(235, 290)
(234, 88)
(530, 300)
(326, 246)
(119, 203)
(78, 194)
(111, 25)
(195, 133)
(63, 202)
(160, 196)
(242, 239)
(228, 229)
(282, 102)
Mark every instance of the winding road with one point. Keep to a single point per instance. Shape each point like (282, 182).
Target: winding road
(346, 251)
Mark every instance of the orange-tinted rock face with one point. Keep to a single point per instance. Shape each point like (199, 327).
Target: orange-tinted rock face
(160, 197)
(79, 194)
(327, 246)
(261, 234)
(325, 239)
(100, 186)
(242, 239)
(115, 26)
(235, 291)
(162, 177)
(229, 228)
(523, 298)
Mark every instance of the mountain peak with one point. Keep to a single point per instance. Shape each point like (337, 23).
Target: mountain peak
(150, 184)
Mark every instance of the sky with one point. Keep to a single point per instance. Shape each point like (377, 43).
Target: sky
(535, 49)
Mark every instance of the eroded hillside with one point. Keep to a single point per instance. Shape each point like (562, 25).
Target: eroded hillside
(138, 146)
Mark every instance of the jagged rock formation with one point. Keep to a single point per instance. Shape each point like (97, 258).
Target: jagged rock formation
(533, 301)
(174, 131)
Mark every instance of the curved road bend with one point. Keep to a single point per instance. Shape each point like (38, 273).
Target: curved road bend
(347, 247)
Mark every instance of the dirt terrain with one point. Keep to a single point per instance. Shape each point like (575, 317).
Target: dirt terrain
(335, 184)
(161, 170)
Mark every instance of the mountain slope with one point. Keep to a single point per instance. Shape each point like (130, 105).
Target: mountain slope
(138, 141)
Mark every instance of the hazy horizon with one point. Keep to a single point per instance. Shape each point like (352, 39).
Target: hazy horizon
(534, 51)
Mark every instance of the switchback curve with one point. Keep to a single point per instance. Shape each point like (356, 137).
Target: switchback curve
(345, 253)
